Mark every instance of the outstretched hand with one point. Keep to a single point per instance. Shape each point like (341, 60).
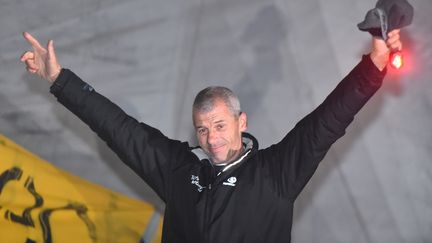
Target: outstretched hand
(41, 61)
(381, 49)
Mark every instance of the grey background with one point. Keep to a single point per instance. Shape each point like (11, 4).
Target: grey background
(282, 58)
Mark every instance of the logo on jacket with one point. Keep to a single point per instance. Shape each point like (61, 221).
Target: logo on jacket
(195, 181)
(230, 181)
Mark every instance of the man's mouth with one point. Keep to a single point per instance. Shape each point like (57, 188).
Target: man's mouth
(216, 149)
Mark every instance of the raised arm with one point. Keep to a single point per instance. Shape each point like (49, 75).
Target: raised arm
(145, 149)
(297, 156)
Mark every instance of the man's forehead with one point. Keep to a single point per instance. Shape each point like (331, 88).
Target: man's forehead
(219, 113)
(213, 117)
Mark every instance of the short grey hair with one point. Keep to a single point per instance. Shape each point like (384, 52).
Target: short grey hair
(206, 99)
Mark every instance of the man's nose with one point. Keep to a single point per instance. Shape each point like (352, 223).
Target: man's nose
(211, 138)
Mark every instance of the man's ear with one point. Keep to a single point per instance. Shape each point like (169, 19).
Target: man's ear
(243, 121)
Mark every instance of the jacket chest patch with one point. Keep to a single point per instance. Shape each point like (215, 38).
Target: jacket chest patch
(195, 181)
(230, 181)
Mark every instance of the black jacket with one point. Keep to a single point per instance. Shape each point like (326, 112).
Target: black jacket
(252, 200)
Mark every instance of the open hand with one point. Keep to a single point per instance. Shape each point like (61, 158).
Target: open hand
(41, 61)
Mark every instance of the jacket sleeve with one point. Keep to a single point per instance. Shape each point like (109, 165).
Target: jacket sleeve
(296, 157)
(143, 148)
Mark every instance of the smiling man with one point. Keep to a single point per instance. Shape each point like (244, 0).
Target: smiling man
(227, 189)
(219, 123)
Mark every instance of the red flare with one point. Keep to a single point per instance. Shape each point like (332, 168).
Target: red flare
(396, 59)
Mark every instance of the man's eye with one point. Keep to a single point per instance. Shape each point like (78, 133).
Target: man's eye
(220, 126)
(201, 131)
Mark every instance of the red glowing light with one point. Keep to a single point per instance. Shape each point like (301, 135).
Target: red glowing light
(396, 60)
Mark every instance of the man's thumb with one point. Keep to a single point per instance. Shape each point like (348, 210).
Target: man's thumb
(51, 52)
(54, 67)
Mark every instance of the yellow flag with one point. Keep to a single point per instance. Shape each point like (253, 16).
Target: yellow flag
(41, 203)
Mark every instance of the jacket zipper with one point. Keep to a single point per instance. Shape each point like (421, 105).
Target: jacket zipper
(206, 225)
(207, 208)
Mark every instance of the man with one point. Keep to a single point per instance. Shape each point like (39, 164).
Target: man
(225, 190)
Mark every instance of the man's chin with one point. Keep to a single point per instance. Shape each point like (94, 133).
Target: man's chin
(218, 160)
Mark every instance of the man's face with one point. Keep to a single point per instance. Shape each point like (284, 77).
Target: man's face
(219, 132)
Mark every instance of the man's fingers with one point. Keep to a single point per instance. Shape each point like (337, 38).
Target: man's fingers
(32, 41)
(396, 46)
(31, 64)
(393, 32)
(31, 70)
(393, 41)
(42, 60)
(51, 52)
(27, 55)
